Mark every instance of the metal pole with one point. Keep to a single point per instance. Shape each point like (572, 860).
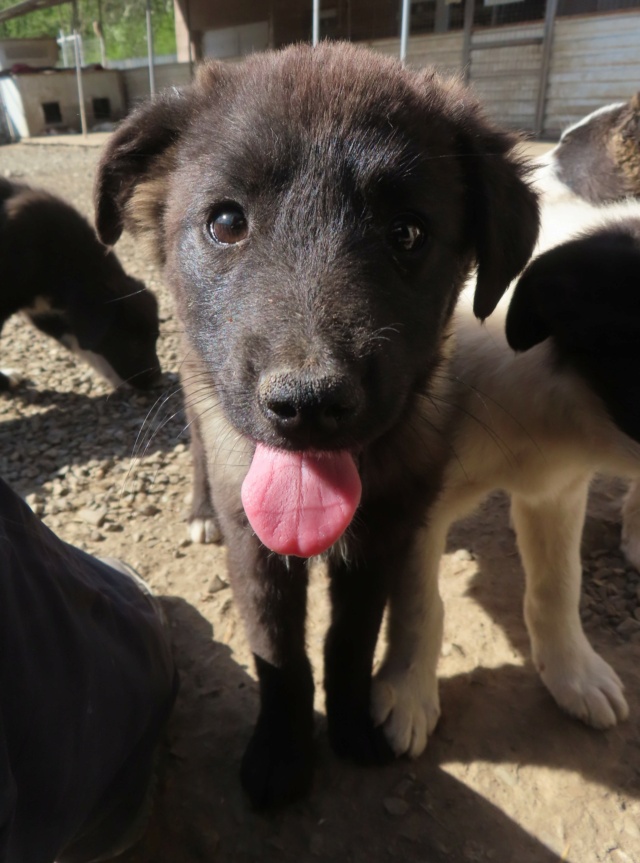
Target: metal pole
(315, 37)
(152, 71)
(469, 9)
(83, 116)
(404, 29)
(547, 47)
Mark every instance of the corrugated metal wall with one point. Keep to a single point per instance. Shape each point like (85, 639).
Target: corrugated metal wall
(595, 60)
(506, 77)
(136, 81)
(443, 50)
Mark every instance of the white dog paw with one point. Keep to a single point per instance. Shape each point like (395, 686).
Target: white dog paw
(408, 709)
(204, 531)
(586, 687)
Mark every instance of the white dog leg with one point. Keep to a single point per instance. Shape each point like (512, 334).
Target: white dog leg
(631, 525)
(549, 533)
(405, 697)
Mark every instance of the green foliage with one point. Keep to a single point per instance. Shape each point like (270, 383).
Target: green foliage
(123, 24)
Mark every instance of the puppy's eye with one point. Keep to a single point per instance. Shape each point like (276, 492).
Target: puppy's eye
(407, 233)
(228, 224)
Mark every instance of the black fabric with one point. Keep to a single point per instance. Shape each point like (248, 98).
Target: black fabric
(86, 683)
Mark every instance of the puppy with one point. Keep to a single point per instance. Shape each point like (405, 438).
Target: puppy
(56, 271)
(538, 423)
(596, 162)
(598, 159)
(317, 212)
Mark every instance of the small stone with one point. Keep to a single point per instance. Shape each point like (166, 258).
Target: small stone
(216, 584)
(95, 517)
(628, 627)
(395, 806)
(149, 509)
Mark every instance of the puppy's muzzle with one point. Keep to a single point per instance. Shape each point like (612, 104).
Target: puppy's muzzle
(318, 406)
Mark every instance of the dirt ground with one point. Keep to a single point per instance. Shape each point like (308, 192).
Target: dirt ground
(506, 777)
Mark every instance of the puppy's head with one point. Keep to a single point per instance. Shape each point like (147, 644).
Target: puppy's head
(116, 329)
(113, 326)
(318, 209)
(599, 157)
(76, 288)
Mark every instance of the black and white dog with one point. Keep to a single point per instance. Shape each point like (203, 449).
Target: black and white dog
(595, 164)
(537, 422)
(56, 272)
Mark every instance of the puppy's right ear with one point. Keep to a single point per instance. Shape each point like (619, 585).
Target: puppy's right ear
(131, 153)
(141, 148)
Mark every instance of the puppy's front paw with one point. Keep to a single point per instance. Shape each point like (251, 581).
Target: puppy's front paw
(407, 707)
(276, 768)
(583, 684)
(204, 530)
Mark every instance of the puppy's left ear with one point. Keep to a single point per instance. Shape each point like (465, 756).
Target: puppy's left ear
(503, 214)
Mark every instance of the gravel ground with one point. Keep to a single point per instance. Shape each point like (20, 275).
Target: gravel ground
(506, 776)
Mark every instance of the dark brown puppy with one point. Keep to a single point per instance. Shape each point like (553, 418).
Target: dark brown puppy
(56, 271)
(317, 212)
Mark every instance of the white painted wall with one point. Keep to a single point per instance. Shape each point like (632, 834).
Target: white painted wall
(29, 92)
(595, 61)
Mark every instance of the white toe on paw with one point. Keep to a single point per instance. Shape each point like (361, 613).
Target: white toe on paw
(586, 687)
(204, 531)
(407, 708)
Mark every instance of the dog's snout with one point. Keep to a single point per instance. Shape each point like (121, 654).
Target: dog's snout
(309, 403)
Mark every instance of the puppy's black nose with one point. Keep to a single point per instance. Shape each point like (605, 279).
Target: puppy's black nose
(309, 403)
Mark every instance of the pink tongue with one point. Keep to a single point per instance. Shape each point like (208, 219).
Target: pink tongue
(300, 503)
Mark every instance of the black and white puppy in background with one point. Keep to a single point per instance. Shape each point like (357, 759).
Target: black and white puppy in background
(595, 163)
(597, 159)
(56, 272)
(539, 423)
(317, 212)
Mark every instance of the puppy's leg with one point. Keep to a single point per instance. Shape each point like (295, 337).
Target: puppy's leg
(631, 525)
(359, 592)
(405, 699)
(203, 522)
(271, 594)
(549, 534)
